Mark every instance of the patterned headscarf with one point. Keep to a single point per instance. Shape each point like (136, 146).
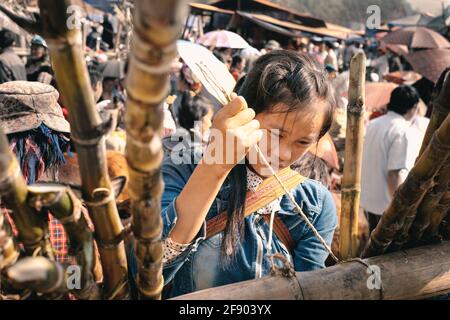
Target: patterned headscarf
(39, 150)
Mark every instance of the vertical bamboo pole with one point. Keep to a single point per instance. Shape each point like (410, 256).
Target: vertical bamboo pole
(87, 131)
(351, 180)
(157, 26)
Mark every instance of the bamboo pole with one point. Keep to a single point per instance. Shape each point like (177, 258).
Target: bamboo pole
(410, 194)
(13, 189)
(411, 274)
(351, 180)
(157, 26)
(87, 132)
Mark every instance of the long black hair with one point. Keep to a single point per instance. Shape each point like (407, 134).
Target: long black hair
(280, 76)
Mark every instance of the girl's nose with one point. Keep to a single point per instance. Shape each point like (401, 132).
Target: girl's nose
(285, 153)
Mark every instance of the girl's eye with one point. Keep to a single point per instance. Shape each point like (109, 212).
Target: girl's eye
(304, 143)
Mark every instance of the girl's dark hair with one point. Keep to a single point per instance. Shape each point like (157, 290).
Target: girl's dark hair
(280, 76)
(193, 108)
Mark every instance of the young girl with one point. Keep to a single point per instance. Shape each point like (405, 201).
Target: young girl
(286, 94)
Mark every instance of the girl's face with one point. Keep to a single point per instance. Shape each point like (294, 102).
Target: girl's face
(288, 135)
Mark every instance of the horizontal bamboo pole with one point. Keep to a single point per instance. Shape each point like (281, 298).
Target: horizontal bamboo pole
(411, 274)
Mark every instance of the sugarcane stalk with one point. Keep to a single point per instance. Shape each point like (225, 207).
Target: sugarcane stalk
(437, 218)
(433, 208)
(87, 131)
(441, 108)
(67, 208)
(157, 26)
(351, 180)
(444, 228)
(39, 274)
(410, 194)
(9, 253)
(31, 226)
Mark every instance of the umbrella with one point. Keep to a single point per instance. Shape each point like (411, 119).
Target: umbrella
(403, 77)
(417, 37)
(208, 69)
(419, 19)
(429, 63)
(7, 23)
(114, 69)
(378, 95)
(223, 39)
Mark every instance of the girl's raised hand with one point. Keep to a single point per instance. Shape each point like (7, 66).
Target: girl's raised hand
(234, 131)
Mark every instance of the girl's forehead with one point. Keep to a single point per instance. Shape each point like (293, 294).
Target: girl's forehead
(308, 118)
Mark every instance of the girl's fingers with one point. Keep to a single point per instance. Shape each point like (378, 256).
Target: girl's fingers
(233, 108)
(249, 127)
(242, 118)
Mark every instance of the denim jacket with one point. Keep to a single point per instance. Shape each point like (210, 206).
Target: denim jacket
(200, 266)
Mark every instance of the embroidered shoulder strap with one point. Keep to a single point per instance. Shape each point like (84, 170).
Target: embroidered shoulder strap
(267, 191)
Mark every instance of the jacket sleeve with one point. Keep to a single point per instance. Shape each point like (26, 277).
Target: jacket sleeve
(175, 178)
(309, 253)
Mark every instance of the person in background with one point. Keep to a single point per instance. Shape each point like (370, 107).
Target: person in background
(11, 66)
(321, 52)
(237, 67)
(380, 64)
(39, 137)
(389, 153)
(331, 71)
(195, 121)
(38, 65)
(331, 58)
(353, 48)
(270, 46)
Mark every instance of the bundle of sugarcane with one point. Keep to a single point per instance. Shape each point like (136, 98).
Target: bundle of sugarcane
(421, 202)
(87, 131)
(157, 26)
(26, 206)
